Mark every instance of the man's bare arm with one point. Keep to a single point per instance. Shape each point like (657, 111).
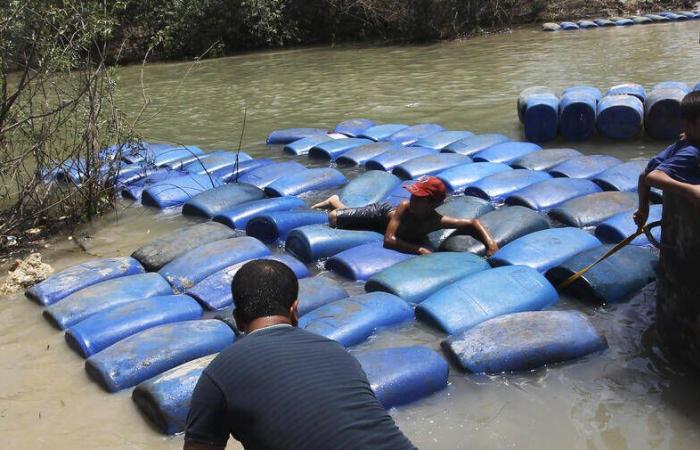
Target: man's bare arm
(663, 181)
(484, 235)
(643, 189)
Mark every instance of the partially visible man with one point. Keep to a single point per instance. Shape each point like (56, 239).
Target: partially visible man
(279, 387)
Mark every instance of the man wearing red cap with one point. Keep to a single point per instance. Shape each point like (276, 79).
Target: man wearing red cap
(405, 226)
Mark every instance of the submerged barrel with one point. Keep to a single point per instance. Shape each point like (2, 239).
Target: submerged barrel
(672, 85)
(274, 226)
(568, 26)
(497, 187)
(458, 177)
(317, 291)
(162, 250)
(485, 295)
(549, 193)
(544, 249)
(619, 116)
(215, 162)
(526, 94)
(590, 210)
(619, 226)
(105, 328)
(352, 320)
(641, 20)
(577, 113)
(238, 216)
(623, 177)
(263, 176)
(353, 127)
(417, 278)
(586, 24)
(392, 158)
(361, 262)
(473, 144)
(233, 173)
(281, 137)
(192, 267)
(101, 296)
(584, 89)
(612, 280)
(429, 165)
(370, 187)
(403, 375)
(604, 22)
(214, 291)
(506, 152)
(504, 225)
(462, 207)
(624, 22)
(541, 119)
(551, 26)
(545, 159)
(153, 351)
(381, 132)
(335, 148)
(587, 166)
(212, 202)
(134, 191)
(360, 155)
(440, 140)
(662, 113)
(657, 18)
(409, 135)
(525, 341)
(177, 190)
(633, 89)
(62, 284)
(305, 181)
(304, 145)
(312, 242)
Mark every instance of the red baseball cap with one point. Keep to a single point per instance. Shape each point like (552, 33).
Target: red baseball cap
(432, 187)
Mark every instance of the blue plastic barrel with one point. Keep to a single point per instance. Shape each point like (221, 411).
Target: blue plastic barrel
(232, 173)
(335, 148)
(370, 187)
(568, 26)
(352, 320)
(429, 165)
(604, 22)
(459, 177)
(238, 216)
(485, 295)
(292, 134)
(392, 158)
(583, 89)
(525, 341)
(305, 181)
(361, 262)
(641, 20)
(353, 127)
(662, 113)
(506, 152)
(317, 291)
(195, 265)
(624, 22)
(153, 351)
(215, 162)
(312, 242)
(101, 296)
(212, 202)
(408, 136)
(440, 140)
(135, 189)
(176, 191)
(577, 113)
(541, 119)
(526, 94)
(473, 144)
(623, 177)
(105, 328)
(214, 291)
(586, 24)
(672, 85)
(621, 225)
(404, 374)
(62, 284)
(381, 132)
(163, 154)
(263, 176)
(550, 193)
(587, 166)
(459, 207)
(544, 249)
(274, 226)
(657, 18)
(633, 89)
(304, 145)
(592, 209)
(417, 278)
(360, 155)
(399, 194)
(545, 159)
(497, 187)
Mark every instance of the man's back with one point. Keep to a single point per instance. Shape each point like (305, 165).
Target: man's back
(285, 388)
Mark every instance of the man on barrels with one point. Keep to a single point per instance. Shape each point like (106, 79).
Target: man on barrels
(406, 226)
(677, 168)
(280, 387)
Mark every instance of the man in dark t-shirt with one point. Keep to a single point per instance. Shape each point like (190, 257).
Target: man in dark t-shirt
(280, 387)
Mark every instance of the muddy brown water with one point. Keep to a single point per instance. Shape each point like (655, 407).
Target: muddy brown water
(627, 397)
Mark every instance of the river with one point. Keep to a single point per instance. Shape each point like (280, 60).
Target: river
(625, 398)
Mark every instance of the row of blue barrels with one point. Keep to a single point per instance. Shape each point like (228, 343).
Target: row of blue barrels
(621, 113)
(666, 16)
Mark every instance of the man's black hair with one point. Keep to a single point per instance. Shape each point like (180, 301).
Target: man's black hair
(690, 107)
(262, 288)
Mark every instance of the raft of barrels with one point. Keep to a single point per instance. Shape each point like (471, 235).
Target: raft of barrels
(601, 22)
(154, 320)
(622, 113)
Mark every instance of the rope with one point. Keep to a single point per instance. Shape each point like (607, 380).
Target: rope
(646, 230)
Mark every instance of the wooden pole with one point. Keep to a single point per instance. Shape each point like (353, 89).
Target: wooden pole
(678, 300)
